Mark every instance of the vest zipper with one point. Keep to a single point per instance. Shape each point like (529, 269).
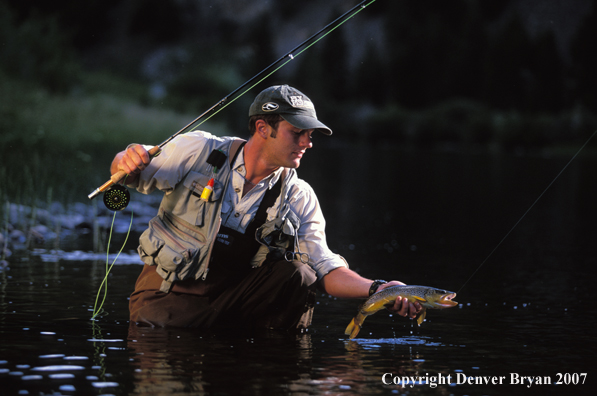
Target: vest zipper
(173, 219)
(166, 234)
(211, 246)
(186, 252)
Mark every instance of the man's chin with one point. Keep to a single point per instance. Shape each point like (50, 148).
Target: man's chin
(293, 163)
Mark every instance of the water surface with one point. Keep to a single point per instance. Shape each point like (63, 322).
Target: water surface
(428, 219)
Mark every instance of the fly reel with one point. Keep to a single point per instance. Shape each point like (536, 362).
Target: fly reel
(117, 197)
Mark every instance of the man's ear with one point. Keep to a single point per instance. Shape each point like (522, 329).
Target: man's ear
(262, 128)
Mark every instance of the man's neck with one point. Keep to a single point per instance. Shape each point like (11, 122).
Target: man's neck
(256, 167)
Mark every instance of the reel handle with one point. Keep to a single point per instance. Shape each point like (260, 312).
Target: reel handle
(120, 175)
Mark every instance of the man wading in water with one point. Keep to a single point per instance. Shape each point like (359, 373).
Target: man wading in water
(239, 238)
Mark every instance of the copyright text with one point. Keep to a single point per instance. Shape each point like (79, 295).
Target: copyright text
(462, 379)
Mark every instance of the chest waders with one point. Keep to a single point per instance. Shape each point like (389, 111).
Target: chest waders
(232, 251)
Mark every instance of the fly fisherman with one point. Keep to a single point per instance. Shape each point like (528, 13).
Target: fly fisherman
(239, 238)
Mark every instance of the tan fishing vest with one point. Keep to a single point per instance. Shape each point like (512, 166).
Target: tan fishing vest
(180, 238)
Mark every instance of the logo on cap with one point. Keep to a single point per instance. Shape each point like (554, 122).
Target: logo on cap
(269, 106)
(297, 101)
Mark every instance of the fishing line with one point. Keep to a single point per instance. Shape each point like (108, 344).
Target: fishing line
(528, 210)
(100, 350)
(96, 309)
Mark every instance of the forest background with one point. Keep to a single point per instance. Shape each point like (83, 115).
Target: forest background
(79, 80)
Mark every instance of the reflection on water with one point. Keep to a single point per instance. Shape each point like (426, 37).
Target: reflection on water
(528, 311)
(378, 342)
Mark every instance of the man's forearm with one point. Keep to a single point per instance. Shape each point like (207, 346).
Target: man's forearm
(345, 283)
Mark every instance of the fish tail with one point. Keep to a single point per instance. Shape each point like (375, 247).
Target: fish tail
(421, 316)
(354, 326)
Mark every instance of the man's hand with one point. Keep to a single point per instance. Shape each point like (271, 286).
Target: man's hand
(132, 161)
(402, 306)
(345, 283)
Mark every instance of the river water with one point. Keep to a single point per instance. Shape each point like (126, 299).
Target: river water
(422, 218)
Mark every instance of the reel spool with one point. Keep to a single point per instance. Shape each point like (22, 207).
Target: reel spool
(117, 197)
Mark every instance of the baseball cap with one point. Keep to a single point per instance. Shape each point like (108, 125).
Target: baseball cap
(293, 105)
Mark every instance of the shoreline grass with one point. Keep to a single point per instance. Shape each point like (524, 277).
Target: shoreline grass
(66, 142)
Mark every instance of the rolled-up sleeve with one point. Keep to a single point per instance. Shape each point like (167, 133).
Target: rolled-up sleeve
(312, 239)
(174, 161)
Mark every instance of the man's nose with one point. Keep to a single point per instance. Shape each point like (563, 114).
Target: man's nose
(305, 140)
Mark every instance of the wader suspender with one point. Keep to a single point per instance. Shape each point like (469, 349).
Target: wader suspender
(268, 200)
(235, 149)
(235, 250)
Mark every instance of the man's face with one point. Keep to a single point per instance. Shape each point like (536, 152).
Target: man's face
(288, 145)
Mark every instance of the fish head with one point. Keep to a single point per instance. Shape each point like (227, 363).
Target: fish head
(439, 299)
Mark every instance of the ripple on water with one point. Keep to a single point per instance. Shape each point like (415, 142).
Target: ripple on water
(63, 367)
(32, 377)
(377, 342)
(62, 376)
(103, 340)
(54, 256)
(104, 384)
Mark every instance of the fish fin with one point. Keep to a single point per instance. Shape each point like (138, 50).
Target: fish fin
(355, 331)
(354, 326)
(421, 316)
(350, 327)
(419, 298)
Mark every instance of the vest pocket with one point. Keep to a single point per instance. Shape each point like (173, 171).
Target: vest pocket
(191, 208)
(149, 246)
(168, 261)
(174, 252)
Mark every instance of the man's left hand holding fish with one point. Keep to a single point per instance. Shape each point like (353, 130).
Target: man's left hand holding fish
(360, 287)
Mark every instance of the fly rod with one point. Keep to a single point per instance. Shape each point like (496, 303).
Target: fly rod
(234, 95)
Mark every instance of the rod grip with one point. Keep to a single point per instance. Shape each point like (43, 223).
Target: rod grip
(120, 175)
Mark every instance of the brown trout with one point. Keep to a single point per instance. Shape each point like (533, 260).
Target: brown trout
(428, 297)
